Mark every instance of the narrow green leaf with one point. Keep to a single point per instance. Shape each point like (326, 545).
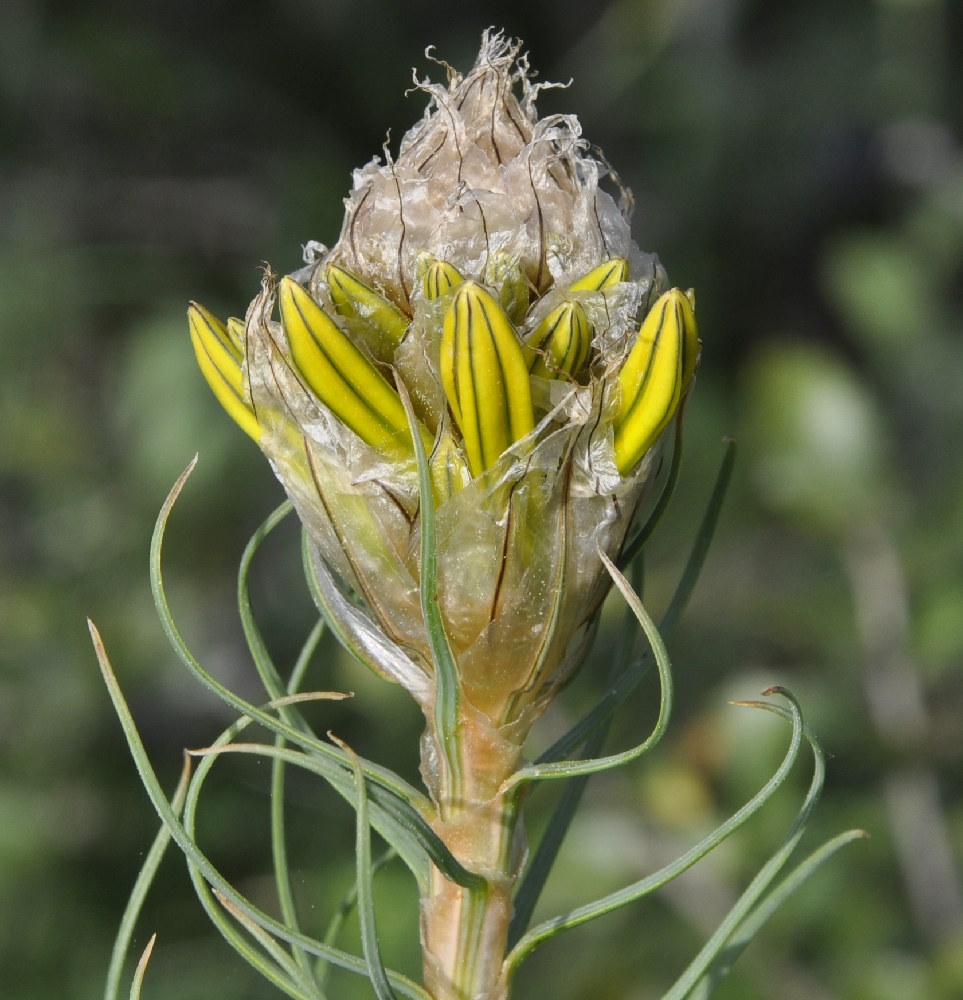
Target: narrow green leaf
(279, 853)
(264, 955)
(270, 678)
(392, 796)
(447, 688)
(364, 882)
(543, 860)
(703, 540)
(725, 958)
(275, 964)
(138, 894)
(416, 831)
(348, 904)
(714, 955)
(613, 901)
(568, 769)
(197, 858)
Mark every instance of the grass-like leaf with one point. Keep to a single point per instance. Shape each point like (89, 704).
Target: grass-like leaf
(630, 678)
(395, 804)
(279, 853)
(747, 914)
(365, 885)
(447, 688)
(138, 894)
(198, 859)
(543, 859)
(350, 901)
(549, 928)
(569, 769)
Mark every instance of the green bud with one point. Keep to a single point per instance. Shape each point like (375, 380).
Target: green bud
(440, 277)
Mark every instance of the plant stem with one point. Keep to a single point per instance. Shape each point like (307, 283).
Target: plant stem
(465, 931)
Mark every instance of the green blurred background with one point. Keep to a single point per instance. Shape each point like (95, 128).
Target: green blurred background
(798, 162)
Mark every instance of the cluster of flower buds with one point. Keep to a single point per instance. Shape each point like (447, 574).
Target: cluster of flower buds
(485, 275)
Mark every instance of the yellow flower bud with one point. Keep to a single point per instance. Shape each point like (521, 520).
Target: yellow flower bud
(561, 342)
(220, 358)
(654, 376)
(608, 273)
(381, 324)
(485, 377)
(440, 277)
(340, 375)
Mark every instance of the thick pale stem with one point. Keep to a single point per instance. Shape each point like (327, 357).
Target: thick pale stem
(464, 932)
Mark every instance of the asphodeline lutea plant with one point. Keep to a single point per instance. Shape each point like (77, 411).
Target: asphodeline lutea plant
(485, 304)
(465, 399)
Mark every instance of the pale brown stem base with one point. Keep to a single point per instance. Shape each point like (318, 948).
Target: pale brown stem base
(464, 932)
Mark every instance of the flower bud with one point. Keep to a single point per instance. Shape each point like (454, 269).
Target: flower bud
(485, 377)
(487, 221)
(440, 277)
(654, 376)
(381, 325)
(219, 356)
(608, 273)
(340, 375)
(561, 342)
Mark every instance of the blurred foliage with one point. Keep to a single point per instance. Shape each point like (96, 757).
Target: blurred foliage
(798, 163)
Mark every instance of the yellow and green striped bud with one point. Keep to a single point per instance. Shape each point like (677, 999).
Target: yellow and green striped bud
(381, 324)
(340, 375)
(561, 342)
(654, 377)
(220, 357)
(485, 377)
(609, 272)
(440, 277)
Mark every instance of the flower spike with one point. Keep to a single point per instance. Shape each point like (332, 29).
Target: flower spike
(654, 377)
(341, 377)
(485, 377)
(219, 357)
